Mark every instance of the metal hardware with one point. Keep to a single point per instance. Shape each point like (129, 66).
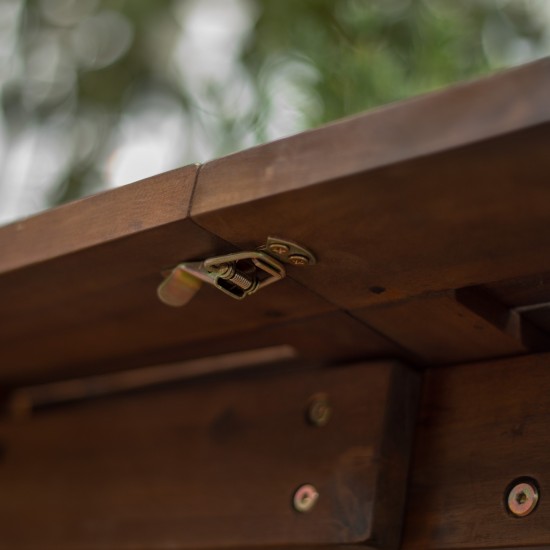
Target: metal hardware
(280, 249)
(298, 259)
(238, 275)
(319, 410)
(178, 287)
(289, 252)
(522, 498)
(305, 498)
(234, 276)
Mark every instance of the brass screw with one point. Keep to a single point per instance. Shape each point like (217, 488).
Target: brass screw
(523, 497)
(298, 259)
(305, 498)
(319, 410)
(279, 248)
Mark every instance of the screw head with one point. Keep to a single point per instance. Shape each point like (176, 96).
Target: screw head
(279, 248)
(298, 259)
(319, 410)
(305, 498)
(523, 497)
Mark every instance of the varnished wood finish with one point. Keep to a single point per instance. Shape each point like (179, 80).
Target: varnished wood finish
(214, 464)
(454, 327)
(430, 220)
(126, 212)
(117, 325)
(465, 217)
(87, 294)
(524, 291)
(424, 126)
(437, 193)
(481, 426)
(429, 195)
(89, 265)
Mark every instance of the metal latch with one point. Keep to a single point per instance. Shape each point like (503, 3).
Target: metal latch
(238, 275)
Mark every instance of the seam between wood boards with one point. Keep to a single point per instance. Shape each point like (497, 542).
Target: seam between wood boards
(407, 352)
(336, 307)
(199, 166)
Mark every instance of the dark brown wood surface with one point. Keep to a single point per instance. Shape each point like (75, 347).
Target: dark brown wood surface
(482, 426)
(214, 464)
(87, 294)
(441, 192)
(126, 212)
(429, 195)
(454, 327)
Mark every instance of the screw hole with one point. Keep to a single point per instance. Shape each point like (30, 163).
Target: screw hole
(521, 497)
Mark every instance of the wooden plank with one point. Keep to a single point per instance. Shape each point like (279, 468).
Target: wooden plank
(208, 465)
(481, 427)
(322, 338)
(525, 291)
(440, 192)
(454, 327)
(432, 194)
(427, 125)
(78, 285)
(121, 213)
(115, 326)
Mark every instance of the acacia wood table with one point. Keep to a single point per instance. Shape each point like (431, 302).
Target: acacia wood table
(393, 393)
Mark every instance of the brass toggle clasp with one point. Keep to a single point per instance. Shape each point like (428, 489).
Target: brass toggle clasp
(238, 274)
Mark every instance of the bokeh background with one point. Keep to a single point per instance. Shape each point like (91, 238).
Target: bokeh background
(100, 93)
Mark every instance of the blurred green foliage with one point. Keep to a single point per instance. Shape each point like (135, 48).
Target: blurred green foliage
(213, 76)
(367, 53)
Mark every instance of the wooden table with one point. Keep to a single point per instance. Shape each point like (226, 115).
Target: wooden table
(421, 329)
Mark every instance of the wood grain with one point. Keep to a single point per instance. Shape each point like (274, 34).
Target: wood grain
(454, 327)
(207, 465)
(123, 212)
(430, 195)
(524, 291)
(482, 426)
(78, 286)
(123, 322)
(441, 192)
(420, 127)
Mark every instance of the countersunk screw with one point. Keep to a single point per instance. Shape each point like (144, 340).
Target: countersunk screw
(522, 498)
(319, 410)
(305, 498)
(279, 248)
(298, 259)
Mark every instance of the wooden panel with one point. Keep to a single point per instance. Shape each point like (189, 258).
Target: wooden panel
(445, 191)
(481, 427)
(525, 291)
(437, 193)
(423, 126)
(454, 326)
(78, 285)
(214, 465)
(323, 338)
(124, 212)
(128, 320)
